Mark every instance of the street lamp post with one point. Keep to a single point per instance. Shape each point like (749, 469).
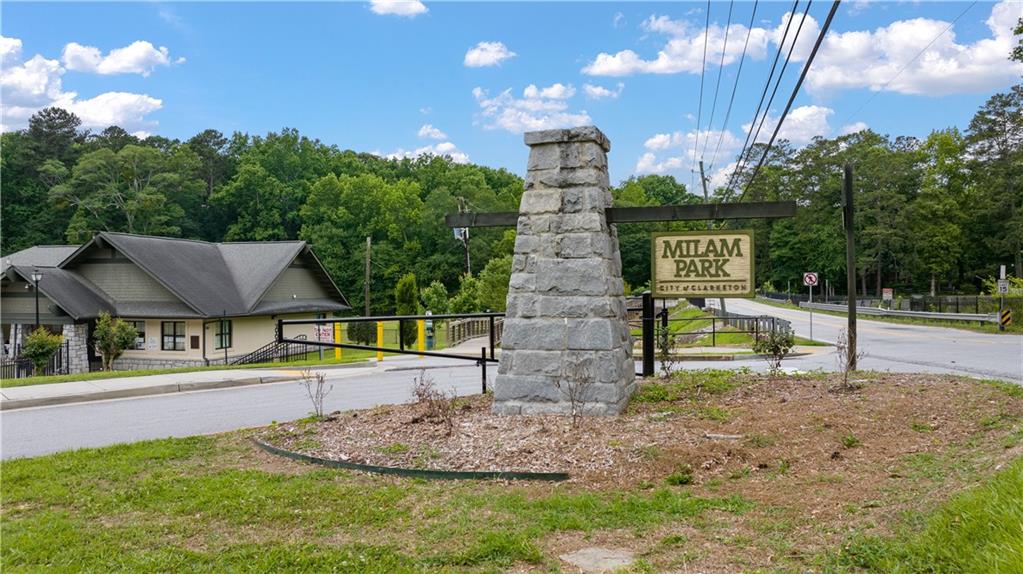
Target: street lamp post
(36, 277)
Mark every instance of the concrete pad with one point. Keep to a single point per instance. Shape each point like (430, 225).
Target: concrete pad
(599, 560)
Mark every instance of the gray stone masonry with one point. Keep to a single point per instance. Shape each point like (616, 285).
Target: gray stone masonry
(76, 336)
(566, 340)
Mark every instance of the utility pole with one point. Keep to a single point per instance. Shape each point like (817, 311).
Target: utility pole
(706, 199)
(464, 236)
(365, 281)
(850, 263)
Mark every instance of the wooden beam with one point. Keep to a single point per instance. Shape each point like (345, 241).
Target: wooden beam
(752, 210)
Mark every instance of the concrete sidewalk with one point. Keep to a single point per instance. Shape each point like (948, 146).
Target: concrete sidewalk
(115, 388)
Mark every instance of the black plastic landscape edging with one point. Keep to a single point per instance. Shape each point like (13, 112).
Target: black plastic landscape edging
(415, 472)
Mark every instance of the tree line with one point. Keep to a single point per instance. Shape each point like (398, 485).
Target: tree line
(939, 213)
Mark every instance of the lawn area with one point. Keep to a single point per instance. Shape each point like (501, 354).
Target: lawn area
(1015, 327)
(814, 485)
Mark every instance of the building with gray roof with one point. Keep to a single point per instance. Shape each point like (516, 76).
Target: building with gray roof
(192, 302)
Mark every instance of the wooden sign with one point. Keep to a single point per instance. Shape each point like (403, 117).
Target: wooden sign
(703, 264)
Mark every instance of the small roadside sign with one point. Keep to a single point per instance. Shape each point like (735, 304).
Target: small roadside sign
(1005, 318)
(1003, 286)
(887, 294)
(809, 279)
(324, 332)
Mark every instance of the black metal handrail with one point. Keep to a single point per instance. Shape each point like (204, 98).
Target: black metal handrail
(275, 351)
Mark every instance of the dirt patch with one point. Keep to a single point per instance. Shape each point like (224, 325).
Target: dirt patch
(816, 463)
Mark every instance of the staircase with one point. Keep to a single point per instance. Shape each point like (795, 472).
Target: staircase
(276, 352)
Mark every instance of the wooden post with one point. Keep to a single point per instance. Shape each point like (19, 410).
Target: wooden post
(850, 262)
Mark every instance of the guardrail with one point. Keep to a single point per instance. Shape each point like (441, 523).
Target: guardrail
(981, 317)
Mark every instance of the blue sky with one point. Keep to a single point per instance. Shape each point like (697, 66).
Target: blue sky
(404, 78)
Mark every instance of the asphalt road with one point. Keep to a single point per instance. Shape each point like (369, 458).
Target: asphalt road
(888, 347)
(901, 347)
(43, 430)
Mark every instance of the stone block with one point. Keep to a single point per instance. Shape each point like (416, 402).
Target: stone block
(580, 223)
(526, 388)
(571, 277)
(522, 282)
(591, 334)
(524, 306)
(528, 362)
(584, 199)
(534, 334)
(577, 306)
(569, 135)
(526, 243)
(581, 245)
(540, 201)
(566, 177)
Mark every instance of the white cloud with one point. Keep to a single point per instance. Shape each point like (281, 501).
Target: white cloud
(504, 111)
(405, 8)
(865, 59)
(556, 91)
(441, 149)
(487, 54)
(428, 131)
(600, 92)
(676, 151)
(684, 50)
(801, 125)
(139, 57)
(847, 60)
(10, 50)
(618, 19)
(854, 128)
(37, 83)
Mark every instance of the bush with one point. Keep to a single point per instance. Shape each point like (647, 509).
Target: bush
(406, 302)
(775, 346)
(40, 346)
(112, 336)
(467, 300)
(363, 332)
(435, 298)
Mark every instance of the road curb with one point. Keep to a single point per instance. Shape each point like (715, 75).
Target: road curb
(13, 404)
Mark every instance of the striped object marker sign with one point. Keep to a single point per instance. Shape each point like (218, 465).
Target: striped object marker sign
(1005, 318)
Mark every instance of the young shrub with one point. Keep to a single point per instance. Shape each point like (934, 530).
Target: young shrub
(467, 300)
(436, 406)
(39, 348)
(315, 385)
(406, 302)
(774, 346)
(362, 332)
(112, 336)
(846, 359)
(435, 298)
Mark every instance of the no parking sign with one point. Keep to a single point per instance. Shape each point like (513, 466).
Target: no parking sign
(809, 278)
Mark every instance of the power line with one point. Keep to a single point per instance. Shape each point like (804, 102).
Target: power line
(911, 60)
(735, 86)
(795, 91)
(717, 88)
(703, 72)
(777, 84)
(763, 94)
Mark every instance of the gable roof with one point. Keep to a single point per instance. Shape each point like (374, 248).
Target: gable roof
(70, 292)
(215, 279)
(38, 256)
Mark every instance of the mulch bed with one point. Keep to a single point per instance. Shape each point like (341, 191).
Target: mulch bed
(797, 425)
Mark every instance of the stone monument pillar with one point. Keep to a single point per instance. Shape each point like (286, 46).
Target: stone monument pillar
(566, 342)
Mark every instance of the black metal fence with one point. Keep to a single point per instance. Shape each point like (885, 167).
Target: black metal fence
(490, 320)
(20, 367)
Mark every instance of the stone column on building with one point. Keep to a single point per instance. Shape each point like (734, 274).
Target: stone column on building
(76, 336)
(566, 342)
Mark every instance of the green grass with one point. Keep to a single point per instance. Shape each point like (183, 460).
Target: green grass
(977, 532)
(1016, 327)
(202, 505)
(349, 356)
(312, 359)
(686, 385)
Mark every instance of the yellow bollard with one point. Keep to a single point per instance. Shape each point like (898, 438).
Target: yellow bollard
(380, 340)
(337, 339)
(421, 335)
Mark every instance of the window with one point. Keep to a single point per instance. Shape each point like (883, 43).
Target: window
(222, 340)
(140, 335)
(173, 338)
